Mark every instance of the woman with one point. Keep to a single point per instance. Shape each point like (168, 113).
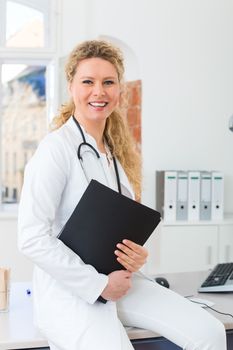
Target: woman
(66, 290)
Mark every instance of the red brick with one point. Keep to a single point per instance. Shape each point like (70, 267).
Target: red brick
(134, 116)
(133, 93)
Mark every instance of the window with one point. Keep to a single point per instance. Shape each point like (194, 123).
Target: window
(25, 30)
(24, 120)
(26, 23)
(26, 80)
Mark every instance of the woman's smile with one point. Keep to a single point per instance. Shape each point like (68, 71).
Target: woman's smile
(98, 105)
(95, 90)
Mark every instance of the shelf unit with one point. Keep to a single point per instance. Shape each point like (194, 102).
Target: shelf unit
(181, 246)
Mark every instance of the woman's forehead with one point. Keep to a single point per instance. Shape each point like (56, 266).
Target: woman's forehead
(96, 66)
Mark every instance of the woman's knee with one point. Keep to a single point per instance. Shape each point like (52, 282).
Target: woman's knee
(218, 336)
(212, 337)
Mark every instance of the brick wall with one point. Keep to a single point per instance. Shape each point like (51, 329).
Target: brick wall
(134, 109)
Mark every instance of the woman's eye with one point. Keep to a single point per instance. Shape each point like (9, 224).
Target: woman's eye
(109, 82)
(87, 81)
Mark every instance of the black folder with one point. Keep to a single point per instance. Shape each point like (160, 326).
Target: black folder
(103, 218)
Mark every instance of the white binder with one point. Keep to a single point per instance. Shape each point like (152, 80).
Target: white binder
(205, 195)
(194, 195)
(217, 195)
(170, 190)
(182, 196)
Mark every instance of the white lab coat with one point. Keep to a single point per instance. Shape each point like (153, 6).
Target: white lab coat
(65, 289)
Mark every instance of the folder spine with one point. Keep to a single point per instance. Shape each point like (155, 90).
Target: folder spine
(205, 195)
(194, 195)
(182, 195)
(166, 190)
(217, 195)
(160, 191)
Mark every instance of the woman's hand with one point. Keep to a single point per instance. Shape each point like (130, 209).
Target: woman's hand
(119, 282)
(131, 255)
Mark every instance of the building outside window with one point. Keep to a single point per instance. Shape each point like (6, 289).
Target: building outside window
(27, 56)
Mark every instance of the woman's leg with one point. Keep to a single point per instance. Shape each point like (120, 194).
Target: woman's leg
(151, 306)
(102, 330)
(125, 342)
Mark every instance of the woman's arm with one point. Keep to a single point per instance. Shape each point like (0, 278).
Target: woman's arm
(44, 181)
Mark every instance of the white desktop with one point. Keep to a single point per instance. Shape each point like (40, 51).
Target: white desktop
(18, 332)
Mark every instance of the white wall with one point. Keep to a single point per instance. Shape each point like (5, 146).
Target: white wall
(21, 267)
(185, 53)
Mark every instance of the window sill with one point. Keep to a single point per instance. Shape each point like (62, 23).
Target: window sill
(9, 212)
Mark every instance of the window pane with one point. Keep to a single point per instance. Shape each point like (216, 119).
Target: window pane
(24, 123)
(24, 26)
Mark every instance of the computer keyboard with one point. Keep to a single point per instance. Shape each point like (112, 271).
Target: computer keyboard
(219, 280)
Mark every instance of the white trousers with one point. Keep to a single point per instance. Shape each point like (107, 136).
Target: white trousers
(151, 306)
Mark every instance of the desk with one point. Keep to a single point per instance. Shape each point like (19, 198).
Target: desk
(17, 331)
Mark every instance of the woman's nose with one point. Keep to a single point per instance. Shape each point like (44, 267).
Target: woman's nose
(98, 89)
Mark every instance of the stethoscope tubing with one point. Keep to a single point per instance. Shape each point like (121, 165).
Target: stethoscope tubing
(86, 144)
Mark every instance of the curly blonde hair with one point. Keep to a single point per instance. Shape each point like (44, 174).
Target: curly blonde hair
(116, 132)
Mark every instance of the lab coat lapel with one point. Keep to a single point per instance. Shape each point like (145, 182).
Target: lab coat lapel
(124, 180)
(77, 139)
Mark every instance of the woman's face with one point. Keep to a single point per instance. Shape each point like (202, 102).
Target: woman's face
(95, 89)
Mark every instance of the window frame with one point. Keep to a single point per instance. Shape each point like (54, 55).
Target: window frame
(46, 56)
(51, 26)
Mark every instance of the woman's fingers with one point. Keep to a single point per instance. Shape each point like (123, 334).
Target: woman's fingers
(131, 255)
(128, 266)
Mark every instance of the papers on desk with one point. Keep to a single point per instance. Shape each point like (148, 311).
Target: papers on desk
(4, 288)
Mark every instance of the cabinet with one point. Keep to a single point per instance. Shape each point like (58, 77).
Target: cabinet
(226, 243)
(186, 246)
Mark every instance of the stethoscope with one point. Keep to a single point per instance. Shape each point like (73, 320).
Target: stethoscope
(80, 157)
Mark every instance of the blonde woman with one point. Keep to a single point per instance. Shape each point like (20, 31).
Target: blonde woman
(75, 307)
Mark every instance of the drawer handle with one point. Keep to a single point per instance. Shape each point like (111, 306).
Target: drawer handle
(227, 253)
(209, 255)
